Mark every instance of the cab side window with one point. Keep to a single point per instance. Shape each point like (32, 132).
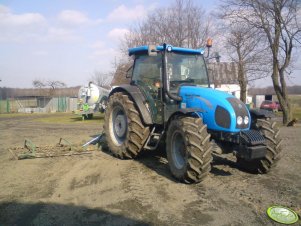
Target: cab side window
(147, 70)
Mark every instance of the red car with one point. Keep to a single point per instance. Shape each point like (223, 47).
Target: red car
(269, 105)
(279, 107)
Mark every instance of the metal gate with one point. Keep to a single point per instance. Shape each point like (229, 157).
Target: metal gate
(62, 104)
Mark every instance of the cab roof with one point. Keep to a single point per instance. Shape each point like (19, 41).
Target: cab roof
(170, 48)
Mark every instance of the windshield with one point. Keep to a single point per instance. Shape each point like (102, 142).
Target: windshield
(186, 69)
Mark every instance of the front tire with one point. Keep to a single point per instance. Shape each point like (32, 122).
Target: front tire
(271, 132)
(188, 149)
(124, 129)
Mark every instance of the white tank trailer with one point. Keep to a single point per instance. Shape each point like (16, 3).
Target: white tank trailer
(91, 99)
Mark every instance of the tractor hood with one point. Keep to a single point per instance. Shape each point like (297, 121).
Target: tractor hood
(220, 110)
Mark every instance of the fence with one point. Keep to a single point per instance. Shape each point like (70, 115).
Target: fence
(38, 104)
(4, 106)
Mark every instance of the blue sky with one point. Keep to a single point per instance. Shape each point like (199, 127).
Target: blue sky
(66, 40)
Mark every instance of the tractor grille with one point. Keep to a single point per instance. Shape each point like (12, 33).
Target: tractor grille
(252, 137)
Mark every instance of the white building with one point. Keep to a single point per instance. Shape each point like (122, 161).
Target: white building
(223, 76)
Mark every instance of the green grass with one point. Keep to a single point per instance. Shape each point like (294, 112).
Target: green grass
(297, 113)
(295, 100)
(14, 115)
(56, 118)
(68, 118)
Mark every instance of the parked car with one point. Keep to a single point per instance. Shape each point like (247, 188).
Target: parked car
(278, 105)
(269, 105)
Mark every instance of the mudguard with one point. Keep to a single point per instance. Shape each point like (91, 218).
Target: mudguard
(261, 113)
(139, 99)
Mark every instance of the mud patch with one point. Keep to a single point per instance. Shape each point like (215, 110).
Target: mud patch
(133, 208)
(86, 181)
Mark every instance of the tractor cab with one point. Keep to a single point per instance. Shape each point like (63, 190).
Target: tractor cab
(185, 69)
(160, 71)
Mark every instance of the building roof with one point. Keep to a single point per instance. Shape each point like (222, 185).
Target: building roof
(223, 73)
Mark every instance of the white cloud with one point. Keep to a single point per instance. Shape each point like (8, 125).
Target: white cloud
(103, 56)
(4, 9)
(98, 45)
(30, 27)
(61, 35)
(76, 18)
(100, 49)
(73, 17)
(20, 27)
(117, 33)
(123, 13)
(40, 53)
(9, 20)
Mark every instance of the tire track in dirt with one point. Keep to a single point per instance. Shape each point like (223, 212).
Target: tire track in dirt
(249, 194)
(158, 193)
(99, 176)
(228, 201)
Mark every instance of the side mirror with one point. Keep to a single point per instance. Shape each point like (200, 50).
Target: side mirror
(152, 50)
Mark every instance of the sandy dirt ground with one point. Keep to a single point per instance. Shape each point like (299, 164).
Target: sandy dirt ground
(98, 189)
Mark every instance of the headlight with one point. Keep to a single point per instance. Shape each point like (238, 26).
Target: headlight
(239, 120)
(246, 120)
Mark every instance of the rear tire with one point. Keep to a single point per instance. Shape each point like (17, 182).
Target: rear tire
(270, 131)
(124, 129)
(188, 149)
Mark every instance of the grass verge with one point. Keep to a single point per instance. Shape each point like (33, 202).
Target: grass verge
(69, 118)
(56, 118)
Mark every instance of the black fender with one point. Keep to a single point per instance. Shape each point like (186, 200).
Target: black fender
(261, 113)
(101, 109)
(139, 99)
(186, 111)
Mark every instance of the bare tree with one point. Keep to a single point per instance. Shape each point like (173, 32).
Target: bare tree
(101, 79)
(182, 24)
(38, 83)
(280, 22)
(52, 84)
(55, 84)
(243, 45)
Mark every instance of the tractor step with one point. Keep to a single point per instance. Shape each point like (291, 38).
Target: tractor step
(153, 140)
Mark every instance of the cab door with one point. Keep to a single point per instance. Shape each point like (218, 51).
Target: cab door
(147, 75)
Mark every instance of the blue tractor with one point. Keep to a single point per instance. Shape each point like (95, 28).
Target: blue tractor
(169, 99)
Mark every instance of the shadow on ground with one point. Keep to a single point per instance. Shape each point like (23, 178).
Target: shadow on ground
(221, 161)
(14, 213)
(157, 161)
(80, 119)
